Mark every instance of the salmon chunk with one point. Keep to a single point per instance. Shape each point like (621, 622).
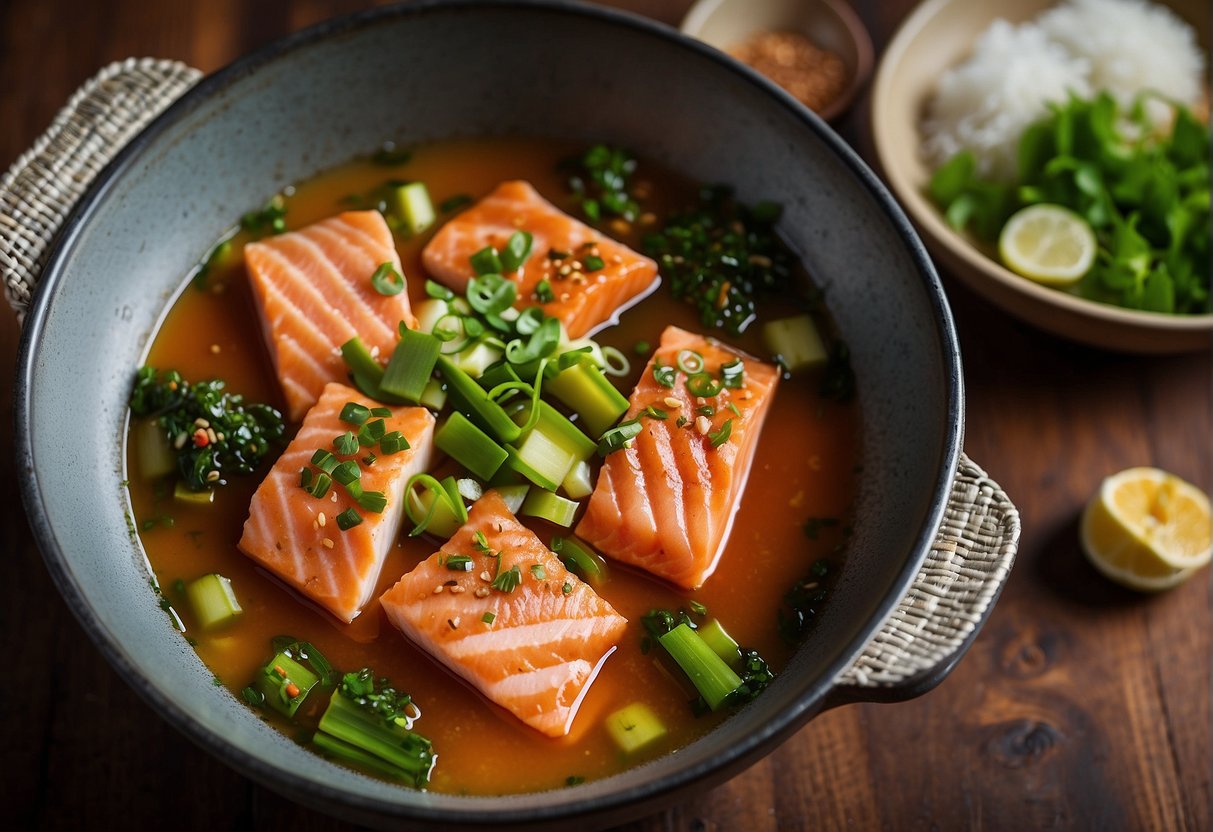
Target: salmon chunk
(313, 292)
(534, 646)
(583, 299)
(296, 535)
(666, 501)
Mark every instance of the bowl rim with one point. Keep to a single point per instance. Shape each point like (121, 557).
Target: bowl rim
(931, 222)
(476, 810)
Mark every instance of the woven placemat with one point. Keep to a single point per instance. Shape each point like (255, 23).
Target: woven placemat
(961, 577)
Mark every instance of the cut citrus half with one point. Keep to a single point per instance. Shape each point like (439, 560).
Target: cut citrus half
(1047, 243)
(1147, 529)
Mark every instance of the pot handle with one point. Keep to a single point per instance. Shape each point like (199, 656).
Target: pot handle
(919, 643)
(949, 600)
(38, 191)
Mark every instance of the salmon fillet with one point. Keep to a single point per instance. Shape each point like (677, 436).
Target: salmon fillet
(313, 292)
(582, 300)
(543, 642)
(666, 503)
(295, 535)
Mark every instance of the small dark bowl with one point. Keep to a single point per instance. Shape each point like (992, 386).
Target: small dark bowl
(428, 71)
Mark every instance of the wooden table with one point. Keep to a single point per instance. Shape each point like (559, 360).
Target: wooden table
(1081, 705)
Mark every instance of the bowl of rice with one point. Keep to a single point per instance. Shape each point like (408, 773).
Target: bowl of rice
(970, 79)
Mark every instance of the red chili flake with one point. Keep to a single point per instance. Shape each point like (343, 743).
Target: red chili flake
(201, 440)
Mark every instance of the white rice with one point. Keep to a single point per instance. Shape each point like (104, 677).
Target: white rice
(1080, 47)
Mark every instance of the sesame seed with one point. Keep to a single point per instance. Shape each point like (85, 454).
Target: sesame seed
(215, 349)
(220, 437)
(211, 435)
(700, 400)
(179, 442)
(576, 264)
(212, 476)
(483, 592)
(201, 423)
(438, 589)
(670, 401)
(328, 543)
(321, 519)
(485, 576)
(315, 525)
(616, 259)
(456, 589)
(703, 424)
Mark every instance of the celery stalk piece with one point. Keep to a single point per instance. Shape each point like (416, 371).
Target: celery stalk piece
(343, 750)
(473, 401)
(212, 600)
(182, 492)
(390, 742)
(412, 362)
(722, 644)
(586, 391)
(434, 395)
(635, 727)
(285, 683)
(559, 430)
(539, 476)
(152, 449)
(577, 483)
(550, 507)
(470, 446)
(411, 203)
(714, 679)
(797, 341)
(513, 495)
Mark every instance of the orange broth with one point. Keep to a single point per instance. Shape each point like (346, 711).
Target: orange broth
(805, 467)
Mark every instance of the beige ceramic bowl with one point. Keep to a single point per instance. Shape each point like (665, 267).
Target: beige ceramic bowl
(936, 36)
(829, 24)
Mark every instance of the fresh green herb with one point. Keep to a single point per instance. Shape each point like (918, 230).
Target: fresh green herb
(641, 348)
(347, 472)
(681, 421)
(459, 563)
(543, 291)
(703, 385)
(574, 780)
(491, 294)
(392, 443)
(593, 263)
(346, 444)
(517, 250)
(347, 519)
(734, 409)
(481, 543)
(486, 261)
(270, 219)
(372, 432)
(438, 291)
(325, 461)
(454, 203)
(373, 501)
(599, 182)
(705, 410)
(554, 254)
(369, 460)
(721, 436)
(1145, 196)
(188, 414)
(689, 362)
(539, 572)
(663, 374)
(722, 258)
(732, 374)
(488, 618)
(319, 484)
(655, 413)
(618, 436)
(354, 414)
(698, 608)
(253, 697)
(381, 412)
(508, 580)
(802, 602)
(213, 258)
(567, 588)
(387, 281)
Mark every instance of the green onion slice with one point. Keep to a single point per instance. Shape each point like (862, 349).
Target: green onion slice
(517, 250)
(347, 519)
(732, 375)
(486, 261)
(618, 436)
(663, 374)
(721, 436)
(387, 281)
(324, 460)
(437, 290)
(491, 293)
(354, 413)
(346, 444)
(689, 361)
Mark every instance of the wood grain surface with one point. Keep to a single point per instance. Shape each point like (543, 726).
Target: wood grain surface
(1081, 705)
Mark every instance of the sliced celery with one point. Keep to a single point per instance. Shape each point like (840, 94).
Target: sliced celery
(714, 679)
(473, 401)
(182, 492)
(412, 363)
(389, 741)
(470, 446)
(559, 430)
(551, 507)
(552, 447)
(635, 727)
(797, 341)
(722, 644)
(285, 683)
(477, 357)
(434, 395)
(213, 601)
(152, 449)
(513, 495)
(586, 391)
(516, 463)
(577, 483)
(411, 204)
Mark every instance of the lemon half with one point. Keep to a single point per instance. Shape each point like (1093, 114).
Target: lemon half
(1048, 243)
(1147, 529)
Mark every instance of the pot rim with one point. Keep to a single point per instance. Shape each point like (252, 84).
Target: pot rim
(474, 810)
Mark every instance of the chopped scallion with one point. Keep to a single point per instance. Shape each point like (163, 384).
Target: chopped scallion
(517, 250)
(721, 436)
(354, 413)
(387, 281)
(347, 519)
(412, 362)
(486, 261)
(346, 444)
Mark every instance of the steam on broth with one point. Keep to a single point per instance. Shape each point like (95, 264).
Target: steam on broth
(778, 554)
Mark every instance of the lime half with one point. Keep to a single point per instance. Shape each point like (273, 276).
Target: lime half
(1047, 243)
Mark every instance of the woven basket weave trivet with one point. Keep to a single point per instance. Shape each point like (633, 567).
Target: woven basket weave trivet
(961, 577)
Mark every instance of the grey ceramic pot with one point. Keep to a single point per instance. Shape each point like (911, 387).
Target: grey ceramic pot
(428, 71)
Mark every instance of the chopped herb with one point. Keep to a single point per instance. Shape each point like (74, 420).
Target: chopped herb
(567, 588)
(689, 362)
(517, 250)
(387, 281)
(698, 608)
(346, 444)
(372, 432)
(347, 472)
(702, 384)
(732, 374)
(486, 261)
(488, 618)
(459, 563)
(538, 571)
(392, 443)
(599, 181)
(354, 413)
(733, 407)
(801, 603)
(655, 413)
(481, 544)
(543, 291)
(373, 501)
(721, 436)
(253, 697)
(681, 421)
(453, 203)
(438, 291)
(663, 374)
(574, 780)
(320, 485)
(268, 220)
(369, 460)
(508, 580)
(641, 347)
(618, 436)
(381, 412)
(387, 703)
(324, 460)
(593, 263)
(554, 254)
(347, 519)
(705, 410)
